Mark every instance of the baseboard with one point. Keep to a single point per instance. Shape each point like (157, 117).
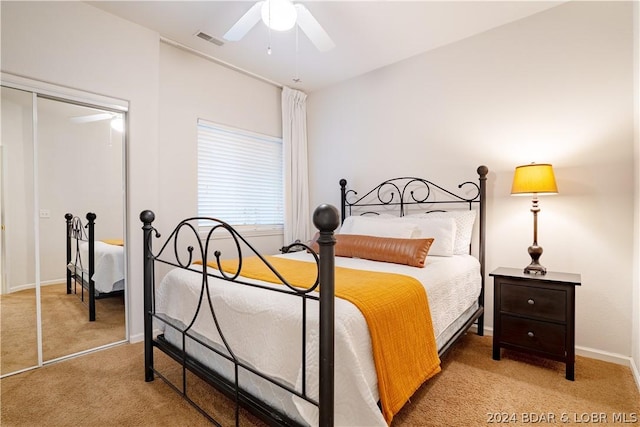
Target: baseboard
(33, 285)
(606, 356)
(53, 282)
(21, 288)
(140, 337)
(136, 338)
(474, 328)
(591, 353)
(635, 372)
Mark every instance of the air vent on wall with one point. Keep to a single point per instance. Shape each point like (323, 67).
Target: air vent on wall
(209, 38)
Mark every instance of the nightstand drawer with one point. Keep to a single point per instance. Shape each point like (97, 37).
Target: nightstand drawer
(541, 303)
(534, 335)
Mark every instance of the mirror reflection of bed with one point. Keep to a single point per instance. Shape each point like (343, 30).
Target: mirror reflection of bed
(72, 161)
(90, 181)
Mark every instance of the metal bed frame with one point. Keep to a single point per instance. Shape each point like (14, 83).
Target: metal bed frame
(76, 233)
(397, 192)
(398, 195)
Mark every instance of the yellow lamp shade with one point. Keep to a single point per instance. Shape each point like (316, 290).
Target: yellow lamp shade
(534, 179)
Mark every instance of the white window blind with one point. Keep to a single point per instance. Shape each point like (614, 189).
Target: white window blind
(239, 176)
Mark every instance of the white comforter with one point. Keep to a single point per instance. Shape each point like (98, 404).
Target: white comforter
(263, 328)
(109, 265)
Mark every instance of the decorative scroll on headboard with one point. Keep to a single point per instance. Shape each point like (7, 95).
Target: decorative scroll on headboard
(397, 195)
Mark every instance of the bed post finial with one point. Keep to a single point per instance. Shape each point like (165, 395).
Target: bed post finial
(483, 171)
(326, 218)
(147, 217)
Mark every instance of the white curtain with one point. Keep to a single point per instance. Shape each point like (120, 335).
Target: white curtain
(296, 180)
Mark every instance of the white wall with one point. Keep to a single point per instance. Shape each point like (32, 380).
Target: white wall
(555, 87)
(192, 87)
(75, 45)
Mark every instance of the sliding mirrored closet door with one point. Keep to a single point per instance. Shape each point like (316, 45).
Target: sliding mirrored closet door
(18, 318)
(80, 170)
(70, 161)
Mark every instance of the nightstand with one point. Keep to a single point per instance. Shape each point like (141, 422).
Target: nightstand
(535, 314)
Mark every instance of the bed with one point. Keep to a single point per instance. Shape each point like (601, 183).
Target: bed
(96, 267)
(287, 349)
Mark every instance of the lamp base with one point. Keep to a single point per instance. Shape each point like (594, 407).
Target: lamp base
(535, 269)
(535, 252)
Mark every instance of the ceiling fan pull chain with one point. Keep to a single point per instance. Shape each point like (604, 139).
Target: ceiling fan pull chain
(269, 29)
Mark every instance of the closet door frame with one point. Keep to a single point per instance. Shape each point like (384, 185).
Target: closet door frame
(40, 89)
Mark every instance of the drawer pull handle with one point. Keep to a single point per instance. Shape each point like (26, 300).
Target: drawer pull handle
(530, 334)
(531, 302)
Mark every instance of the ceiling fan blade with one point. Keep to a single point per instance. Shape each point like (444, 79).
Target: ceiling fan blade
(245, 23)
(312, 28)
(92, 118)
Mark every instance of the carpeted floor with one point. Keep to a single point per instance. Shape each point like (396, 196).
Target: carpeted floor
(107, 388)
(65, 326)
(18, 340)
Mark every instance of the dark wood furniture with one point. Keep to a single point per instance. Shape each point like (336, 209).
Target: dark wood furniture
(389, 195)
(535, 314)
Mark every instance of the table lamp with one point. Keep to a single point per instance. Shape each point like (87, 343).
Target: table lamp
(534, 179)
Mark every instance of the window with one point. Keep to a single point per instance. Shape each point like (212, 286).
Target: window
(240, 176)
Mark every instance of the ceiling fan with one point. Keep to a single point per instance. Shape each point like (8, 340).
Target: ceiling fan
(117, 123)
(281, 15)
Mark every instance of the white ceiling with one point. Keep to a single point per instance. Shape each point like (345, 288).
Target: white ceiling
(368, 34)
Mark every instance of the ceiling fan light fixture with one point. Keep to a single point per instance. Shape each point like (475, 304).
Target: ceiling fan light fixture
(279, 15)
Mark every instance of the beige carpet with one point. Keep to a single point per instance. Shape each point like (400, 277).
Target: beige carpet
(18, 340)
(65, 326)
(107, 388)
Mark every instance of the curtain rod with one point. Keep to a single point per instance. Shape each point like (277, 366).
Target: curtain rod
(218, 61)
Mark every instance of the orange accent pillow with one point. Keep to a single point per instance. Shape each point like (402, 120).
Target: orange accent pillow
(411, 252)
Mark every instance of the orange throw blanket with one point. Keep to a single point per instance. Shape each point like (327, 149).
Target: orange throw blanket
(115, 242)
(396, 310)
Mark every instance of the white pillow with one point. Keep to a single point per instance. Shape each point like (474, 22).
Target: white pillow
(442, 230)
(379, 227)
(464, 226)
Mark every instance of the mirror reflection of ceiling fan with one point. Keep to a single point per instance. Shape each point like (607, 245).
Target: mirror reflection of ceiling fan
(117, 123)
(281, 15)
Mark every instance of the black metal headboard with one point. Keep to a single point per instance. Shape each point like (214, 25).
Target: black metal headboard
(397, 195)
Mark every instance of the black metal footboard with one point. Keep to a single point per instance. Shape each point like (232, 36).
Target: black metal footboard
(75, 234)
(326, 219)
(81, 271)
